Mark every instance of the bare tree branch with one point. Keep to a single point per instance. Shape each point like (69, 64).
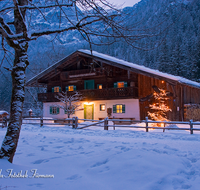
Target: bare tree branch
(36, 7)
(70, 103)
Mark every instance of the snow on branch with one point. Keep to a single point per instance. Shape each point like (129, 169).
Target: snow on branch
(30, 7)
(5, 29)
(70, 103)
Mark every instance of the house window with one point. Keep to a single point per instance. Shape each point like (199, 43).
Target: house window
(99, 86)
(54, 110)
(121, 84)
(102, 107)
(71, 88)
(56, 89)
(119, 108)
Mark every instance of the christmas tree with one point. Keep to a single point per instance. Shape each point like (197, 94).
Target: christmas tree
(160, 108)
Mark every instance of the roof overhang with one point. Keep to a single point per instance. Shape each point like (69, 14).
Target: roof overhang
(57, 67)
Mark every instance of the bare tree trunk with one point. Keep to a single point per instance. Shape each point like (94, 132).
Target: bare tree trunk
(9, 145)
(10, 141)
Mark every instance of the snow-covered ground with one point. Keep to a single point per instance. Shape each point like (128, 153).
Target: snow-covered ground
(94, 159)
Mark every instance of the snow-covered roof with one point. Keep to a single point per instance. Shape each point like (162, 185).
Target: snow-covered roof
(120, 62)
(141, 68)
(3, 112)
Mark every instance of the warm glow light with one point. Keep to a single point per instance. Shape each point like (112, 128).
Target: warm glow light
(120, 85)
(100, 86)
(119, 108)
(88, 103)
(162, 125)
(56, 89)
(70, 88)
(102, 107)
(163, 81)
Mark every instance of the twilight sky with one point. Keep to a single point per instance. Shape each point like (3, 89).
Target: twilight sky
(126, 3)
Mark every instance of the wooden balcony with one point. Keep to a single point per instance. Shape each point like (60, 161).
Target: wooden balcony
(96, 94)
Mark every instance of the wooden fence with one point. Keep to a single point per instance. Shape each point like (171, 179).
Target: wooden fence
(77, 123)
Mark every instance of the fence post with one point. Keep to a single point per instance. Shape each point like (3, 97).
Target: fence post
(164, 127)
(73, 122)
(76, 122)
(106, 123)
(191, 126)
(41, 122)
(113, 123)
(146, 121)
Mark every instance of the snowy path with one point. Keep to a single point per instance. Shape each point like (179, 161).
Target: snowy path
(104, 160)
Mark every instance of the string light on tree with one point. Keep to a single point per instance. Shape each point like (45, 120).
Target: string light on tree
(160, 108)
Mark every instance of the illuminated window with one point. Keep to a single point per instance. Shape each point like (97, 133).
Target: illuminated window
(119, 108)
(56, 89)
(54, 110)
(120, 85)
(99, 86)
(102, 107)
(70, 88)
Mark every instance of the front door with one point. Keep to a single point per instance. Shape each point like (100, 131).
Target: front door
(89, 111)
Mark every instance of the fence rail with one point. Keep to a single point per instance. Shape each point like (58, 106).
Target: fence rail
(77, 123)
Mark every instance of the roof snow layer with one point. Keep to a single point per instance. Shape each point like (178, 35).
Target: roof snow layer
(141, 68)
(123, 63)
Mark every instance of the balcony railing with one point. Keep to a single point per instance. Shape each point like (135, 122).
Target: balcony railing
(96, 94)
(81, 73)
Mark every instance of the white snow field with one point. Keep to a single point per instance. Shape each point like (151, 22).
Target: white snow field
(94, 159)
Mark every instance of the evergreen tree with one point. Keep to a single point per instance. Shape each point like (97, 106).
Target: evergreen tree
(159, 107)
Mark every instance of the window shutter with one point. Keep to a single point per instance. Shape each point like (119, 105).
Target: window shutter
(52, 89)
(66, 88)
(65, 112)
(114, 108)
(89, 84)
(125, 84)
(59, 89)
(58, 110)
(115, 85)
(74, 88)
(123, 108)
(51, 110)
(85, 85)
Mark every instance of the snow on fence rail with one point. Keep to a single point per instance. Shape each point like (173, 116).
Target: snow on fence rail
(77, 125)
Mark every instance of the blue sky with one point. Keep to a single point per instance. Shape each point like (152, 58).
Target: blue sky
(125, 3)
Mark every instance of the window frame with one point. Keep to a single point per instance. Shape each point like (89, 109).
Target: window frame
(120, 83)
(100, 107)
(119, 111)
(67, 88)
(98, 85)
(56, 87)
(54, 110)
(125, 84)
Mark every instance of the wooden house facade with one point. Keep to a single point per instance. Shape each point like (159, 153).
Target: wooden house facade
(107, 82)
